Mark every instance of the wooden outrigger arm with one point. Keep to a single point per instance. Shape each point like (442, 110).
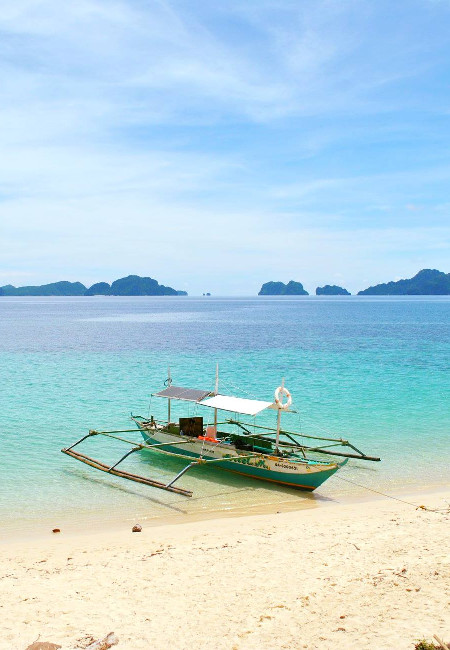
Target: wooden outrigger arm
(111, 469)
(96, 464)
(321, 449)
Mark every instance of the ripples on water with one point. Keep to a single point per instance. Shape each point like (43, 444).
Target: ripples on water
(374, 370)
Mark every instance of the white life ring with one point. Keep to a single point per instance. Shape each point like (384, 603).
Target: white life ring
(278, 401)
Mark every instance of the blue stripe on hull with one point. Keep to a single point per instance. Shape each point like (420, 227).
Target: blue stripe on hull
(307, 481)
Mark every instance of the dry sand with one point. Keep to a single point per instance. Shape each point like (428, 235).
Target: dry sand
(365, 575)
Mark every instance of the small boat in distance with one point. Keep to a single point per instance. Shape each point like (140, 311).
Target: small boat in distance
(267, 453)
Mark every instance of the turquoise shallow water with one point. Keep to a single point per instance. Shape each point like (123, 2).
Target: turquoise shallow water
(372, 370)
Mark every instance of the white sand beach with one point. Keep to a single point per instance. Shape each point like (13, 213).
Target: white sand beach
(362, 575)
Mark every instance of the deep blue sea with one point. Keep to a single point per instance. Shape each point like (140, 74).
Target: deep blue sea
(374, 370)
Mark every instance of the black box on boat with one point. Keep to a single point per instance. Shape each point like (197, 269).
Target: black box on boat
(191, 426)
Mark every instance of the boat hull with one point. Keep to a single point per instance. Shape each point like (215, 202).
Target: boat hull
(305, 475)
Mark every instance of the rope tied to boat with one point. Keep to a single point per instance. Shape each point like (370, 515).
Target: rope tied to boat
(444, 511)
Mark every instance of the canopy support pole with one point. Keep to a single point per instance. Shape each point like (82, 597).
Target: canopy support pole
(277, 440)
(216, 392)
(169, 383)
(279, 421)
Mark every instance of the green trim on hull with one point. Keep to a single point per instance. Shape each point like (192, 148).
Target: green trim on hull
(306, 481)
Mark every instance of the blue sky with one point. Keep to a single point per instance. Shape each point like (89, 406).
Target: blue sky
(216, 146)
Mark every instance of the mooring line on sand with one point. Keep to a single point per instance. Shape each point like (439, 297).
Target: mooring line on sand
(389, 496)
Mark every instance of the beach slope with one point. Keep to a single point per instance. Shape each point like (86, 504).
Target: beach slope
(365, 575)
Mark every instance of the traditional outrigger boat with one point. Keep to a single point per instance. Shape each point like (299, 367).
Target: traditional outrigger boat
(270, 454)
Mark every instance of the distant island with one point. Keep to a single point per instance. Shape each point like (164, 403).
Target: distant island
(332, 290)
(132, 285)
(428, 282)
(53, 289)
(280, 289)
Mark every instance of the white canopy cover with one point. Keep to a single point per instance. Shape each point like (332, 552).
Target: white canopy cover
(237, 404)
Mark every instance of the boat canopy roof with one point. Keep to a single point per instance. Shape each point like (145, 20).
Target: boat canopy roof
(187, 394)
(237, 404)
(222, 402)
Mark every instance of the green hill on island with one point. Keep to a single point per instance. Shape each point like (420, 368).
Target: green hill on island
(428, 282)
(98, 289)
(280, 289)
(53, 289)
(332, 290)
(133, 285)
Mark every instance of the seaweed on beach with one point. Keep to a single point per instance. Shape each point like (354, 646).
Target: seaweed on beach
(422, 644)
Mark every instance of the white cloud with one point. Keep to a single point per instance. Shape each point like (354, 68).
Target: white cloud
(290, 59)
(230, 140)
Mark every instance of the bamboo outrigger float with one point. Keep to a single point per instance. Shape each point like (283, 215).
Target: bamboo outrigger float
(270, 454)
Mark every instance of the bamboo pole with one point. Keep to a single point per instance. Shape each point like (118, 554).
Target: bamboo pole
(96, 464)
(139, 445)
(293, 433)
(116, 431)
(443, 645)
(324, 449)
(216, 391)
(237, 457)
(142, 445)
